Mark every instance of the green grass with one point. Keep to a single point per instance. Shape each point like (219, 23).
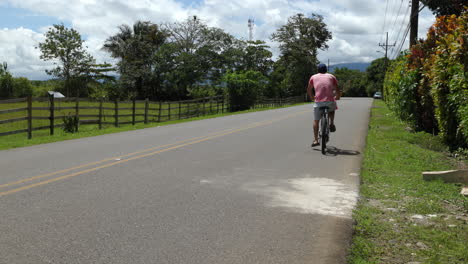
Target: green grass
(393, 192)
(42, 136)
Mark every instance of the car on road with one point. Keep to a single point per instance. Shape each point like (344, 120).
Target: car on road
(378, 95)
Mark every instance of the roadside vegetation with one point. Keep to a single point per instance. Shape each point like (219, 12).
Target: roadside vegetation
(401, 218)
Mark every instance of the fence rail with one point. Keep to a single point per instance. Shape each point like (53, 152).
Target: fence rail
(25, 115)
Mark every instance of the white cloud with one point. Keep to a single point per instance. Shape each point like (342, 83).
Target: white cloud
(356, 25)
(17, 49)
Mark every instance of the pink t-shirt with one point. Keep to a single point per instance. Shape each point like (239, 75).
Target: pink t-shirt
(324, 84)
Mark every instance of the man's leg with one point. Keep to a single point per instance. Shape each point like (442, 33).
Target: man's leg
(331, 117)
(316, 127)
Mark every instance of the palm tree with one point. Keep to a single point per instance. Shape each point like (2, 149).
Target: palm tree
(134, 47)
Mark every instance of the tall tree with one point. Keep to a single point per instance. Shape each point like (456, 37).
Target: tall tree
(135, 47)
(197, 55)
(300, 40)
(64, 46)
(257, 57)
(375, 75)
(446, 7)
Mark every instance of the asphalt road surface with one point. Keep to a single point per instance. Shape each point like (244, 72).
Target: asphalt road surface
(238, 189)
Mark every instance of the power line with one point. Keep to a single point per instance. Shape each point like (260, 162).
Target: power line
(407, 31)
(385, 21)
(396, 18)
(401, 27)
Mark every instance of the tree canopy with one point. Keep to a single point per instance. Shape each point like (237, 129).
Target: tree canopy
(64, 46)
(300, 40)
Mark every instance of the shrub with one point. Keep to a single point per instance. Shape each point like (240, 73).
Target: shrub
(428, 87)
(244, 88)
(71, 123)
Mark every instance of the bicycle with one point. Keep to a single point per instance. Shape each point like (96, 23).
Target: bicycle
(324, 128)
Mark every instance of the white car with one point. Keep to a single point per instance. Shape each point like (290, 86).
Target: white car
(378, 95)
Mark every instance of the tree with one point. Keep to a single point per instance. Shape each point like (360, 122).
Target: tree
(6, 82)
(375, 75)
(299, 41)
(244, 88)
(351, 82)
(135, 47)
(197, 55)
(445, 7)
(257, 57)
(65, 47)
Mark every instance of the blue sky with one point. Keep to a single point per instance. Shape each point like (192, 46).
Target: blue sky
(11, 17)
(357, 26)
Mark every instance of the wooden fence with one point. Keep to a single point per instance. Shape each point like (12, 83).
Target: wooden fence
(26, 115)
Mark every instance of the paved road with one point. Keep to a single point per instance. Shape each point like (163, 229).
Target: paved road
(239, 189)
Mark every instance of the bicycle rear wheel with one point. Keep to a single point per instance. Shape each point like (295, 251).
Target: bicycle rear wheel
(324, 135)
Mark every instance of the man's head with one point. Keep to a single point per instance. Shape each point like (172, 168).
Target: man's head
(322, 68)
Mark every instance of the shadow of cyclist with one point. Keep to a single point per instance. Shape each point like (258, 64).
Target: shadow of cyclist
(334, 151)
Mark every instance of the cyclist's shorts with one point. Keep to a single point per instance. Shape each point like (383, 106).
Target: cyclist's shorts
(317, 105)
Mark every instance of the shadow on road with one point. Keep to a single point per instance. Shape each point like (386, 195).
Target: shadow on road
(334, 151)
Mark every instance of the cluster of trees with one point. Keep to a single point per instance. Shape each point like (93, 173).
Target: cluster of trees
(181, 60)
(13, 87)
(355, 83)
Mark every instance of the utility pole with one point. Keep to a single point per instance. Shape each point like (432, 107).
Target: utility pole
(385, 47)
(414, 18)
(328, 65)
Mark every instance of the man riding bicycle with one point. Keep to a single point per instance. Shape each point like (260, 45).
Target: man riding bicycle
(323, 83)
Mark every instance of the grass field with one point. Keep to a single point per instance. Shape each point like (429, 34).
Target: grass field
(401, 218)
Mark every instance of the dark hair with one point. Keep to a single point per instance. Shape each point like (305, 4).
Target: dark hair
(322, 68)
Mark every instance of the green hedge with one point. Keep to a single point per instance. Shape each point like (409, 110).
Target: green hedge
(427, 86)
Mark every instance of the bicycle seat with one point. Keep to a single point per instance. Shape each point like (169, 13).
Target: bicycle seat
(323, 108)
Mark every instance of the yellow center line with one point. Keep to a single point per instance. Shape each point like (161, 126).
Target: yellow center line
(104, 160)
(258, 124)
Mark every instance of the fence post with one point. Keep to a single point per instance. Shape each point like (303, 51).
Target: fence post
(116, 113)
(100, 114)
(29, 117)
(77, 107)
(52, 116)
(217, 104)
(180, 109)
(169, 111)
(204, 109)
(133, 111)
(211, 105)
(146, 110)
(222, 106)
(198, 108)
(159, 112)
(188, 109)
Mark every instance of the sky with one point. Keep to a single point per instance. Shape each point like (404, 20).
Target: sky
(357, 26)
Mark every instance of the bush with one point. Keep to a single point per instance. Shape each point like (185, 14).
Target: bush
(22, 87)
(71, 123)
(244, 88)
(428, 87)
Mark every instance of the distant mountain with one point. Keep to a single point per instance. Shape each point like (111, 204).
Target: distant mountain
(362, 66)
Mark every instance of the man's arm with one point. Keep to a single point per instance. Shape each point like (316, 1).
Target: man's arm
(337, 90)
(309, 90)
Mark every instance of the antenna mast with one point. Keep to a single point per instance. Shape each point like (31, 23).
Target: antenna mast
(251, 27)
